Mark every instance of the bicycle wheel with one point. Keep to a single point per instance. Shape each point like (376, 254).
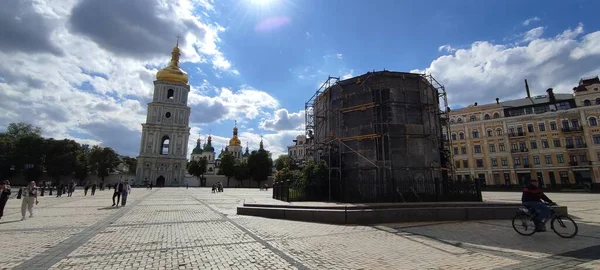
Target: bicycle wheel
(523, 224)
(564, 222)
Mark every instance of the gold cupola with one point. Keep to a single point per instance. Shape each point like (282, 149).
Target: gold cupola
(173, 73)
(234, 140)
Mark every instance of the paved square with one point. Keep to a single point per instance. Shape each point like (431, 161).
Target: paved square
(175, 228)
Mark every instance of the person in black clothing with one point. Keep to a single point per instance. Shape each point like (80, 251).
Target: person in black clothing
(534, 198)
(93, 189)
(4, 194)
(117, 194)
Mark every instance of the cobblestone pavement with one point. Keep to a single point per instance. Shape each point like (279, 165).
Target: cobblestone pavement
(175, 228)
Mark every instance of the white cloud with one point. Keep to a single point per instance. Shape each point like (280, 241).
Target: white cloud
(533, 34)
(339, 56)
(530, 20)
(486, 70)
(348, 75)
(446, 48)
(284, 120)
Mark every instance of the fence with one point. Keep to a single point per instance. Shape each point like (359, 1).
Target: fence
(402, 190)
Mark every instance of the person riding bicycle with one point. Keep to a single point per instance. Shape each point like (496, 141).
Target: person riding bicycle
(533, 197)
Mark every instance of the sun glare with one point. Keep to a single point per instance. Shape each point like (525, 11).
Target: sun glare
(261, 2)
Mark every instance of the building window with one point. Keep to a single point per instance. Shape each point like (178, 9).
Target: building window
(575, 123)
(486, 117)
(542, 126)
(477, 149)
(582, 158)
(587, 102)
(479, 163)
(556, 142)
(499, 132)
(465, 163)
(461, 136)
(473, 118)
(514, 146)
(504, 162)
(553, 126)
(511, 131)
(520, 130)
(454, 136)
(496, 115)
(569, 142)
(560, 158)
(522, 146)
(545, 144)
(463, 150)
(459, 120)
(536, 160)
(492, 148)
(533, 144)
(548, 159)
(596, 138)
(501, 147)
(452, 121)
(490, 133)
(565, 124)
(530, 128)
(457, 164)
(579, 142)
(164, 150)
(517, 161)
(525, 160)
(593, 122)
(475, 134)
(494, 162)
(456, 150)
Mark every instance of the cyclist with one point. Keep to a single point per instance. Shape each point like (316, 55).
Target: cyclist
(532, 198)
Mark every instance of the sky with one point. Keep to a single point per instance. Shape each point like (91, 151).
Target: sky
(84, 69)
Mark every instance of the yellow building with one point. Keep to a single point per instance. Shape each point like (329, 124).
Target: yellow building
(554, 138)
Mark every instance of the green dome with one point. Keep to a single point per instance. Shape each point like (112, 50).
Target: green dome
(198, 149)
(208, 147)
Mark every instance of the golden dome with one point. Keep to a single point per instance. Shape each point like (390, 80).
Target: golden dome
(172, 73)
(235, 141)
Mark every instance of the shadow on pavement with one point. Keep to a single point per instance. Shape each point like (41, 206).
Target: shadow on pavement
(4, 222)
(108, 208)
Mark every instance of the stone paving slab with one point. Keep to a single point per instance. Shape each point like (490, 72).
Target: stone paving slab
(175, 228)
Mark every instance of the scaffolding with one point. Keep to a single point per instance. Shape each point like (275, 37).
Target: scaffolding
(365, 128)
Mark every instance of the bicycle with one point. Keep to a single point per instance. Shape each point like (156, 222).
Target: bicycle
(526, 214)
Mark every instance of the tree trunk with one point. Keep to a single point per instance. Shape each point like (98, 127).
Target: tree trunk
(228, 181)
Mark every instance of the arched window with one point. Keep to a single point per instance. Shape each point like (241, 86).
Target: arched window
(459, 120)
(473, 118)
(452, 121)
(490, 133)
(597, 101)
(170, 94)
(475, 134)
(461, 136)
(496, 115)
(498, 132)
(486, 117)
(454, 136)
(593, 121)
(164, 150)
(587, 102)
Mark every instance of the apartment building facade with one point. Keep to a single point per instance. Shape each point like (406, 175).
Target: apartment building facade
(554, 138)
(299, 152)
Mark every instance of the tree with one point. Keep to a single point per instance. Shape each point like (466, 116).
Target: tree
(241, 172)
(282, 162)
(61, 158)
(18, 130)
(7, 150)
(261, 165)
(227, 166)
(197, 168)
(82, 163)
(131, 163)
(103, 161)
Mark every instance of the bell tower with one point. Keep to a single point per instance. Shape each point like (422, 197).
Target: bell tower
(163, 148)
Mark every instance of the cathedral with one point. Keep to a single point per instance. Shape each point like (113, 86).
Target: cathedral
(163, 149)
(208, 151)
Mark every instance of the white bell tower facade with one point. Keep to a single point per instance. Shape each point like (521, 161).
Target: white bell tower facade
(163, 148)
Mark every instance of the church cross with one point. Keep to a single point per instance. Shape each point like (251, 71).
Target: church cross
(178, 37)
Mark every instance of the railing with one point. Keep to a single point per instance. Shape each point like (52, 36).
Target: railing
(571, 129)
(519, 150)
(576, 146)
(580, 163)
(516, 134)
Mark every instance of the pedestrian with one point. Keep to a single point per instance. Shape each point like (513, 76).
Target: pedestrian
(117, 193)
(71, 188)
(4, 195)
(93, 188)
(126, 192)
(85, 189)
(29, 198)
(59, 190)
(151, 186)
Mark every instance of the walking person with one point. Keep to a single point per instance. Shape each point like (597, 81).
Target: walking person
(117, 194)
(85, 189)
(29, 194)
(93, 188)
(71, 188)
(126, 192)
(4, 195)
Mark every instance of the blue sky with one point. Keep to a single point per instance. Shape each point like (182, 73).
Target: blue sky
(258, 61)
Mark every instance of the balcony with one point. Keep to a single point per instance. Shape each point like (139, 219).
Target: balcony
(580, 163)
(516, 134)
(519, 150)
(576, 146)
(571, 129)
(524, 166)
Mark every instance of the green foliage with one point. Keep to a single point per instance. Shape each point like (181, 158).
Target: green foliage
(282, 162)
(103, 161)
(61, 158)
(82, 163)
(227, 166)
(260, 165)
(131, 163)
(197, 168)
(19, 130)
(241, 172)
